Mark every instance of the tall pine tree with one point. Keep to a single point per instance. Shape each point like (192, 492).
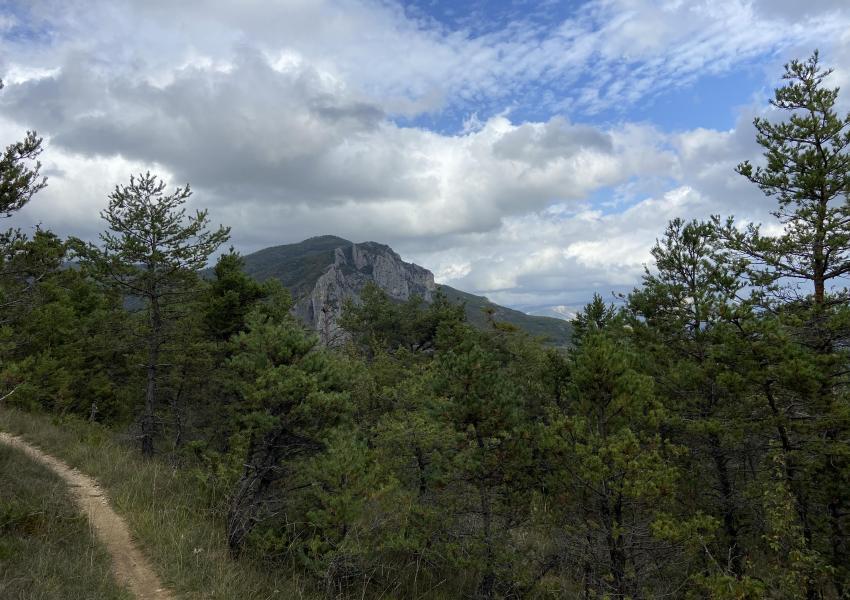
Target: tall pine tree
(152, 252)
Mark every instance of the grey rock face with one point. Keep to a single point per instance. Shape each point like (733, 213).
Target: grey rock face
(353, 268)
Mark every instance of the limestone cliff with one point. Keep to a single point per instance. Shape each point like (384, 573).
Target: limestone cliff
(353, 267)
(322, 272)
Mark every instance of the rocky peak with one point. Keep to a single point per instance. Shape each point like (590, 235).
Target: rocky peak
(353, 267)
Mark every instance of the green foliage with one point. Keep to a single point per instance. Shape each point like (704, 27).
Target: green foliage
(808, 170)
(691, 442)
(59, 348)
(24, 262)
(151, 244)
(378, 323)
(619, 474)
(596, 316)
(230, 296)
(19, 173)
(152, 251)
(291, 395)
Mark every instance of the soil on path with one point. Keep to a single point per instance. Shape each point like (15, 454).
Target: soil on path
(129, 565)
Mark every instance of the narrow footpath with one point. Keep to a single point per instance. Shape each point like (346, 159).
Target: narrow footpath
(130, 567)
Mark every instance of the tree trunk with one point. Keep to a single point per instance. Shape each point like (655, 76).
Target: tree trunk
(487, 586)
(792, 479)
(256, 478)
(820, 290)
(420, 466)
(612, 518)
(177, 411)
(729, 521)
(840, 558)
(587, 577)
(836, 488)
(149, 415)
(819, 256)
(263, 467)
(619, 554)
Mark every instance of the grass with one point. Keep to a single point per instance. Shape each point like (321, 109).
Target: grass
(169, 512)
(47, 550)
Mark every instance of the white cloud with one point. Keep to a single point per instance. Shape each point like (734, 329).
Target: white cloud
(563, 257)
(285, 117)
(609, 53)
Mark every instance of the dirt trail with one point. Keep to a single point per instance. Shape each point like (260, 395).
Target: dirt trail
(130, 567)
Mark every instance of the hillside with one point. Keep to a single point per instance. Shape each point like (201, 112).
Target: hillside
(321, 272)
(297, 266)
(556, 331)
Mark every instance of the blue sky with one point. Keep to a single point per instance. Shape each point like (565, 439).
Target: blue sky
(528, 151)
(491, 16)
(710, 100)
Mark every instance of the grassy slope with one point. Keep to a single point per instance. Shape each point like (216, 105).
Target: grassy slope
(170, 513)
(47, 550)
(297, 266)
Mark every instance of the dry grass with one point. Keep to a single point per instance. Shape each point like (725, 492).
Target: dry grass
(47, 550)
(168, 511)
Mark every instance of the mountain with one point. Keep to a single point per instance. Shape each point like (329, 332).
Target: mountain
(322, 272)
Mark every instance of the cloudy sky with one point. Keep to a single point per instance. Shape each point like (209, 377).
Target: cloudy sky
(528, 150)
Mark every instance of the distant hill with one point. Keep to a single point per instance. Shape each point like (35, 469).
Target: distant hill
(556, 331)
(322, 272)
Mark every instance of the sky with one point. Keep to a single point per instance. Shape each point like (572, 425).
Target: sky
(529, 151)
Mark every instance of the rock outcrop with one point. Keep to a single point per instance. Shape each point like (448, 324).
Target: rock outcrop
(353, 267)
(322, 272)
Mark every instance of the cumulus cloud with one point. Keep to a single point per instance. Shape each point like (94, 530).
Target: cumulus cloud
(300, 118)
(296, 145)
(571, 254)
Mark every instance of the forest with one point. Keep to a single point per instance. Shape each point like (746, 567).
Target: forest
(693, 441)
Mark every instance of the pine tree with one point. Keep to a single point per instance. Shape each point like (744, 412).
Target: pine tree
(20, 177)
(230, 297)
(292, 394)
(487, 393)
(681, 319)
(69, 355)
(152, 252)
(20, 180)
(25, 263)
(611, 475)
(807, 169)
